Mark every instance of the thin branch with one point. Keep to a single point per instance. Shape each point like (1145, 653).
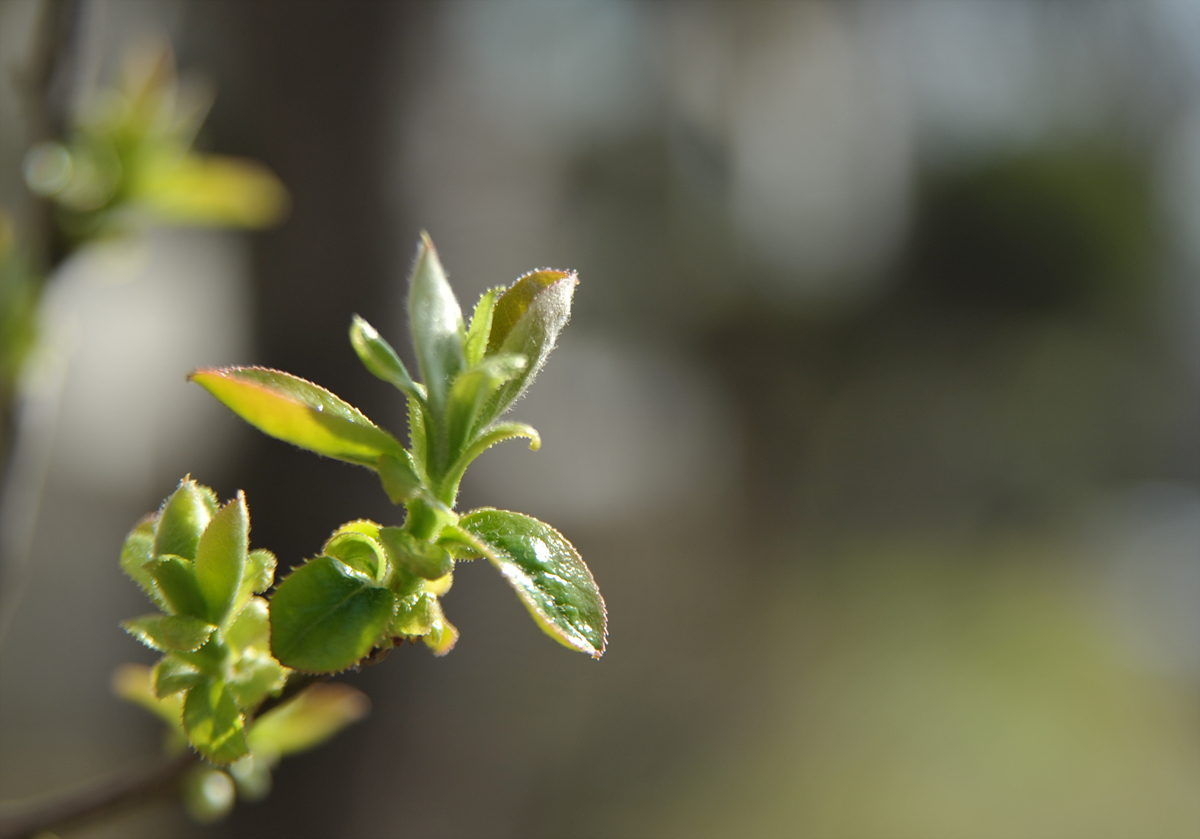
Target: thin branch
(99, 800)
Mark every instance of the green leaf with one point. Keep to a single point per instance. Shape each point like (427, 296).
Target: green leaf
(358, 550)
(307, 720)
(472, 389)
(135, 683)
(172, 675)
(258, 577)
(325, 616)
(546, 572)
(481, 327)
(176, 580)
(255, 676)
(496, 434)
(526, 322)
(213, 722)
(136, 552)
(252, 627)
(182, 519)
(378, 357)
(169, 632)
(221, 558)
(298, 412)
(416, 556)
(398, 477)
(436, 323)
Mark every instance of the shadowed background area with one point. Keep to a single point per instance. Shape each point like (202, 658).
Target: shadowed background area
(877, 421)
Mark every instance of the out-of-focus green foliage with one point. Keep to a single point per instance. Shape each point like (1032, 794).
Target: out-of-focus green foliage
(373, 587)
(130, 159)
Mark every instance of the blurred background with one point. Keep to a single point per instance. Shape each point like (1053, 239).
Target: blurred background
(878, 420)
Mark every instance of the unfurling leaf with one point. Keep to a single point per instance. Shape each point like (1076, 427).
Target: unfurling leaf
(472, 390)
(137, 551)
(526, 322)
(171, 675)
(546, 572)
(307, 720)
(326, 616)
(167, 633)
(176, 580)
(378, 357)
(183, 518)
(221, 558)
(252, 627)
(358, 550)
(436, 323)
(213, 722)
(299, 412)
(481, 327)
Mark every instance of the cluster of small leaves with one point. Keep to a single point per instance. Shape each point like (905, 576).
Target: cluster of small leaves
(130, 157)
(374, 586)
(192, 559)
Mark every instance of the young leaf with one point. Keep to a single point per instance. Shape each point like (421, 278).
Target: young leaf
(358, 550)
(546, 572)
(442, 635)
(416, 556)
(135, 683)
(472, 389)
(136, 552)
(255, 676)
(169, 632)
(258, 576)
(213, 722)
(436, 323)
(527, 320)
(171, 675)
(176, 580)
(252, 627)
(378, 357)
(221, 558)
(490, 437)
(307, 720)
(298, 412)
(481, 327)
(325, 616)
(182, 519)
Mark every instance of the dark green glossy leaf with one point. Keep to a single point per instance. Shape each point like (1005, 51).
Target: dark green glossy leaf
(398, 477)
(358, 550)
(135, 683)
(169, 632)
(526, 322)
(171, 675)
(176, 580)
(436, 322)
(325, 616)
(472, 389)
(547, 573)
(416, 556)
(213, 722)
(221, 558)
(136, 552)
(252, 627)
(182, 519)
(307, 720)
(254, 677)
(298, 412)
(378, 357)
(481, 327)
